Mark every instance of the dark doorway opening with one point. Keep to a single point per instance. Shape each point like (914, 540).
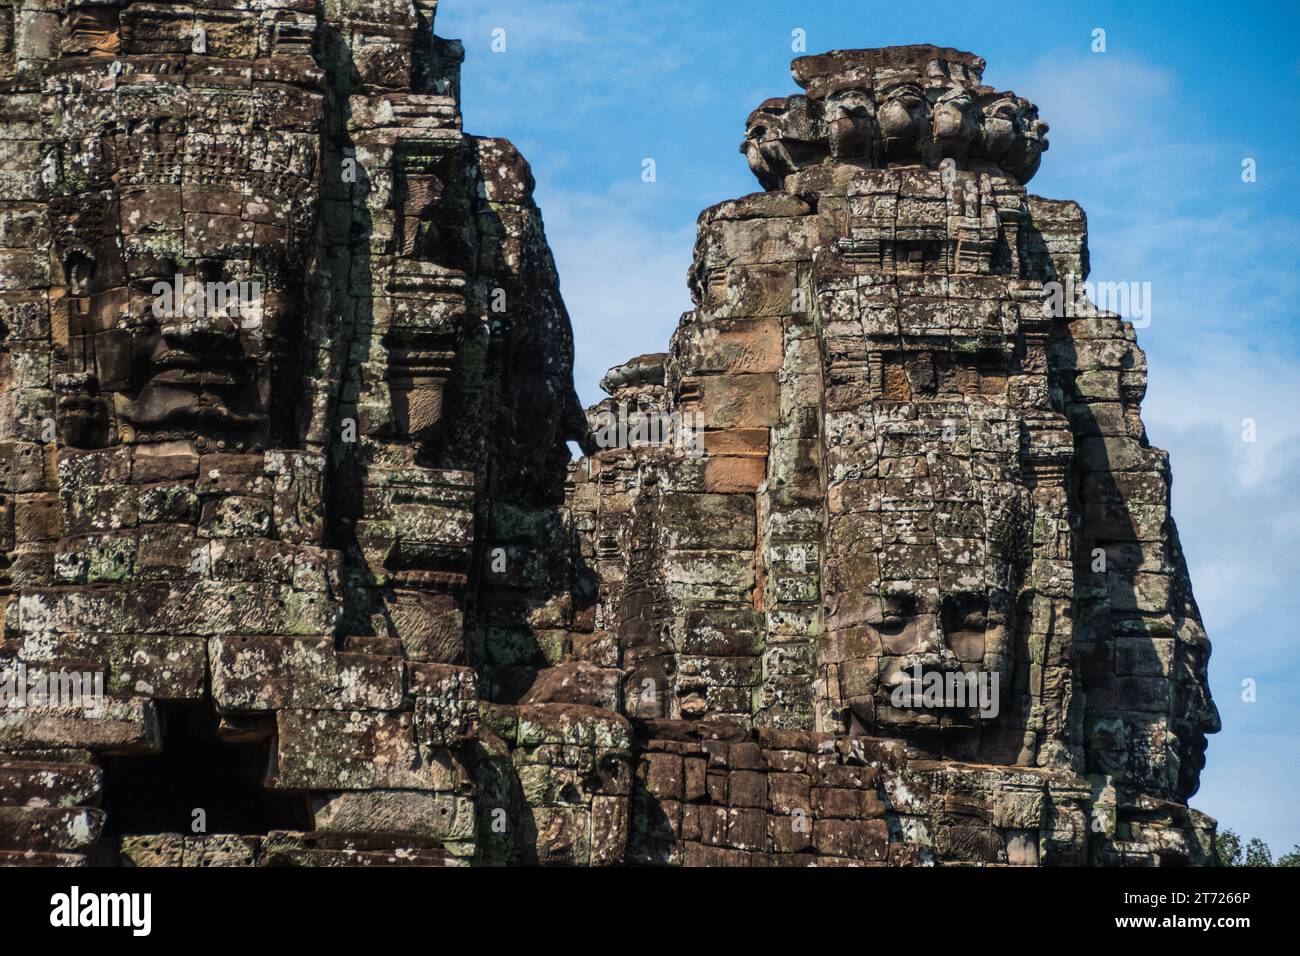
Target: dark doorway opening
(197, 770)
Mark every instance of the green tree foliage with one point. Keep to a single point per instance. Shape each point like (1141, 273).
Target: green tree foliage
(1231, 852)
(1228, 846)
(1258, 853)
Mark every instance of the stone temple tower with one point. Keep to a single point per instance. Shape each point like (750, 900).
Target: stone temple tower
(923, 465)
(873, 565)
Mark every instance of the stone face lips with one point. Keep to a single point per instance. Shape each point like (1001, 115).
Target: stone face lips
(312, 521)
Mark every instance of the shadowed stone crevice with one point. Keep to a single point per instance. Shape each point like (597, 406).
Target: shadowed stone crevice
(196, 770)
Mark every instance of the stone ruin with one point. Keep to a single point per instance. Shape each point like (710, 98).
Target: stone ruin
(284, 473)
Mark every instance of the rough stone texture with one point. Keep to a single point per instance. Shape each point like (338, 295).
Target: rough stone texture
(914, 458)
(333, 525)
(280, 510)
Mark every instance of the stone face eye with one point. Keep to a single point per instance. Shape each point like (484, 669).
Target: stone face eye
(965, 612)
(899, 606)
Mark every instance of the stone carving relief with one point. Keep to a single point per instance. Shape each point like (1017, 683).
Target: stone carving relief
(284, 465)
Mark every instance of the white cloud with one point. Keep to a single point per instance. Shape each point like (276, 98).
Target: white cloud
(624, 282)
(572, 60)
(1166, 204)
(1094, 101)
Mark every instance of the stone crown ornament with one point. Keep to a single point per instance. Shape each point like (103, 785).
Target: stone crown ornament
(899, 106)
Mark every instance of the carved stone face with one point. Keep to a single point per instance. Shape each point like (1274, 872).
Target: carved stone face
(1195, 713)
(947, 537)
(197, 370)
(945, 491)
(782, 136)
(763, 153)
(1012, 135)
(180, 221)
(955, 122)
(179, 229)
(850, 123)
(903, 122)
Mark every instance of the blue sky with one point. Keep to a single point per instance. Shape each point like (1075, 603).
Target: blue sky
(1148, 136)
